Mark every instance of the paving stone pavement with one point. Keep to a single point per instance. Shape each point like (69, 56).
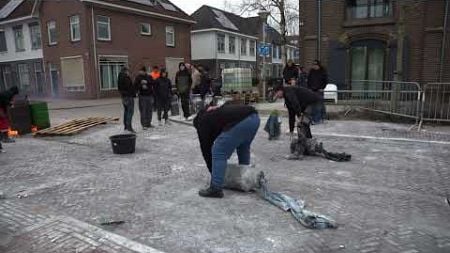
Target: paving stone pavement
(389, 198)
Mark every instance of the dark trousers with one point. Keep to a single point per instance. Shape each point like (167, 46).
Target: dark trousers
(307, 113)
(163, 109)
(318, 110)
(146, 110)
(128, 106)
(185, 104)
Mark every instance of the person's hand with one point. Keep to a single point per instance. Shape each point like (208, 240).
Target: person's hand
(212, 108)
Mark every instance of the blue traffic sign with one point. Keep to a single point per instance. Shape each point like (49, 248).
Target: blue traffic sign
(264, 50)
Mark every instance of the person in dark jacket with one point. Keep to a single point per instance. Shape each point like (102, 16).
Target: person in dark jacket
(128, 93)
(6, 100)
(299, 102)
(290, 72)
(317, 81)
(205, 83)
(183, 82)
(146, 86)
(163, 95)
(302, 77)
(221, 131)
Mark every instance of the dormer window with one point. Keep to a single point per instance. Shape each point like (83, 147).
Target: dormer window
(363, 9)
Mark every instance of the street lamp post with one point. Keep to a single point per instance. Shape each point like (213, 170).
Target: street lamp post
(263, 14)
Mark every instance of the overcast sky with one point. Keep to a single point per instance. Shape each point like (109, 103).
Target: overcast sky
(189, 6)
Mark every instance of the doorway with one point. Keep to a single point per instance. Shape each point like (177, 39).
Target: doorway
(53, 72)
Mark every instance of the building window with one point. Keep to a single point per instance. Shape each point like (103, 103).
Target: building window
(145, 29)
(38, 71)
(3, 46)
(243, 46)
(75, 31)
(360, 9)
(275, 52)
(170, 36)
(221, 43)
(252, 48)
(232, 45)
(103, 28)
(7, 76)
(35, 36)
(18, 38)
(24, 77)
(52, 35)
(72, 69)
(109, 71)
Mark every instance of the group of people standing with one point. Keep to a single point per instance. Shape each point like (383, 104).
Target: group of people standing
(156, 89)
(316, 80)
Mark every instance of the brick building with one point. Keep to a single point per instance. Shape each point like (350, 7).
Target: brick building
(376, 40)
(86, 42)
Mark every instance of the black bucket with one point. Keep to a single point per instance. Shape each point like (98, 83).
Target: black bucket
(123, 143)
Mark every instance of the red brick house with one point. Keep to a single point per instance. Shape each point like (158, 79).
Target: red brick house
(86, 42)
(365, 39)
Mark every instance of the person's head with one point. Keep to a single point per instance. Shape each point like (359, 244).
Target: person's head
(182, 66)
(143, 71)
(125, 70)
(290, 63)
(14, 90)
(155, 69)
(316, 65)
(200, 68)
(302, 69)
(164, 73)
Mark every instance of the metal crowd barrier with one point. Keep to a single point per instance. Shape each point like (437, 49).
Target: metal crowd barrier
(435, 103)
(389, 97)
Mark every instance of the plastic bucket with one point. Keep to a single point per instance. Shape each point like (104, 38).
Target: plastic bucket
(123, 143)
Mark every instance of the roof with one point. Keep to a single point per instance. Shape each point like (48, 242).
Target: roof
(208, 17)
(14, 9)
(162, 8)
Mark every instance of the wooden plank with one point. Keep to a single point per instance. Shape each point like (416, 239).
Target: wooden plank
(75, 126)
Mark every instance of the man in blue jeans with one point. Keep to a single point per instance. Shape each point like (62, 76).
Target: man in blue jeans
(221, 131)
(128, 92)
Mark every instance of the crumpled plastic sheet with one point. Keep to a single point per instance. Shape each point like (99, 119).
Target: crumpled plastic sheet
(296, 207)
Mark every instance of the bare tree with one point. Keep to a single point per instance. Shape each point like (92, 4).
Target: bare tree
(284, 14)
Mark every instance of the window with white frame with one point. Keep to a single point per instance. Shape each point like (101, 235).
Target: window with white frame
(18, 38)
(243, 46)
(75, 31)
(52, 34)
(232, 45)
(109, 71)
(24, 76)
(72, 70)
(7, 76)
(275, 52)
(103, 28)
(252, 48)
(170, 36)
(145, 29)
(35, 36)
(3, 46)
(280, 54)
(221, 43)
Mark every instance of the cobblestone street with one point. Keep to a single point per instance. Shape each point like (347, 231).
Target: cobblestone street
(390, 198)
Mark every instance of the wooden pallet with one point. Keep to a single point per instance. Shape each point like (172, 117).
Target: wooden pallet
(74, 126)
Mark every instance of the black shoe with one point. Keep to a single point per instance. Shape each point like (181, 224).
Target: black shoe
(131, 130)
(211, 193)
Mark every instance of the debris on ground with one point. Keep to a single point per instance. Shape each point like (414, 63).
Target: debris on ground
(2, 195)
(241, 177)
(110, 222)
(297, 208)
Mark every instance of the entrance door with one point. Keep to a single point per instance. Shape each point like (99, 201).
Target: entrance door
(367, 63)
(54, 79)
(172, 67)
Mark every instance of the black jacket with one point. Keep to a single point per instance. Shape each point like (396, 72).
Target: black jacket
(317, 79)
(205, 84)
(7, 96)
(210, 125)
(183, 81)
(125, 85)
(298, 98)
(145, 85)
(163, 89)
(289, 73)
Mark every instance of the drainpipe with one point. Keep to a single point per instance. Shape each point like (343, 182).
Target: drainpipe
(444, 40)
(96, 74)
(319, 29)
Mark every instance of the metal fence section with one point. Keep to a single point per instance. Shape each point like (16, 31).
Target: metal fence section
(390, 97)
(435, 103)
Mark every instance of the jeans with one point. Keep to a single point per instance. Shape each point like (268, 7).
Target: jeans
(128, 106)
(163, 107)
(318, 110)
(238, 138)
(185, 104)
(146, 110)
